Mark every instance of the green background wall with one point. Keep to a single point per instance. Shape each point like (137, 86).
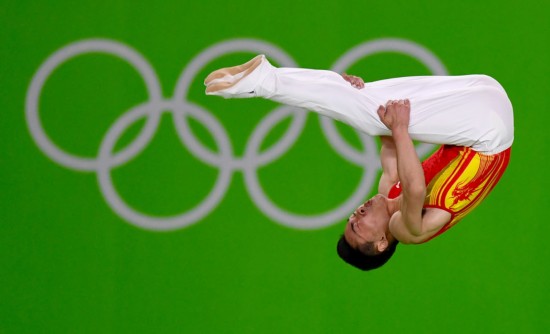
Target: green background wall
(70, 264)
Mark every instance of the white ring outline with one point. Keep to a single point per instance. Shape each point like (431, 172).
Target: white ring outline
(118, 49)
(165, 223)
(301, 221)
(198, 63)
(401, 46)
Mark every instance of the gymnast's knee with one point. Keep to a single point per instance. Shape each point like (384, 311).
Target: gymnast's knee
(487, 81)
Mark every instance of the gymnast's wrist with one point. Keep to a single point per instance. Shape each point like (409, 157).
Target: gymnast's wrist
(400, 131)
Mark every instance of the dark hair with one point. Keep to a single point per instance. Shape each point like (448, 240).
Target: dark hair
(363, 261)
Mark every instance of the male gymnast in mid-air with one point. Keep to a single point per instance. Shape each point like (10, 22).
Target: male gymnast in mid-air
(470, 116)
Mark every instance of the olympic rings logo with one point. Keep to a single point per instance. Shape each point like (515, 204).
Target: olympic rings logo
(180, 109)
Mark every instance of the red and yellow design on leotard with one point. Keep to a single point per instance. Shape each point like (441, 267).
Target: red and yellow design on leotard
(459, 178)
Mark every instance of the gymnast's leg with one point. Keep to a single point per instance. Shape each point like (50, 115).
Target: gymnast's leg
(324, 92)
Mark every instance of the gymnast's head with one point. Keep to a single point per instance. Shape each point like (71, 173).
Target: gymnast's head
(367, 242)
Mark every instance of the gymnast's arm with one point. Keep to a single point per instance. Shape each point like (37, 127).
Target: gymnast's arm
(388, 159)
(408, 225)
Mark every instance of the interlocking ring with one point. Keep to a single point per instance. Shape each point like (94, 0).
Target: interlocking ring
(224, 159)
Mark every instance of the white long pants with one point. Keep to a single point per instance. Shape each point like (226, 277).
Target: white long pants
(471, 110)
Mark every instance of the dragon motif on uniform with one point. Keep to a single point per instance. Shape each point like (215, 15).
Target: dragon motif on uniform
(465, 189)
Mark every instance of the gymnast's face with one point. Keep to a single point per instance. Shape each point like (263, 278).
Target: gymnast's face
(369, 223)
